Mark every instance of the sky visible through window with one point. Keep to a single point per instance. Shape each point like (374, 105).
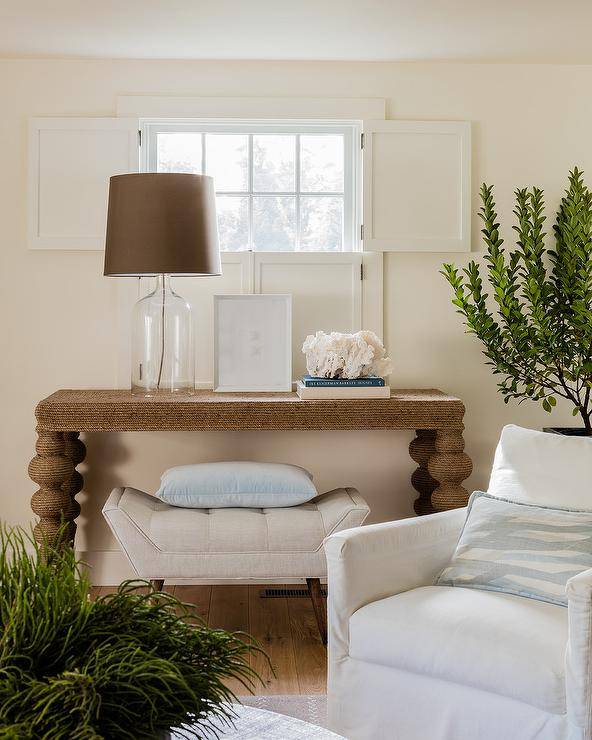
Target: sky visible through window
(275, 191)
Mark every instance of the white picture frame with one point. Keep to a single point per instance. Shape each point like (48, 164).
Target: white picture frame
(253, 343)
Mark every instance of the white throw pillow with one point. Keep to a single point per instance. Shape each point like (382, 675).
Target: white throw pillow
(236, 484)
(541, 468)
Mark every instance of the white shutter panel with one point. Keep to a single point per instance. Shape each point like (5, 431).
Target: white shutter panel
(326, 291)
(200, 291)
(70, 163)
(417, 186)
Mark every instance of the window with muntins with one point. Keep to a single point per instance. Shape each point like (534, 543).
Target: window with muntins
(280, 187)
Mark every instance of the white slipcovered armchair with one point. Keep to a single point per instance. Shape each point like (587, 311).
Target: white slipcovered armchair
(412, 661)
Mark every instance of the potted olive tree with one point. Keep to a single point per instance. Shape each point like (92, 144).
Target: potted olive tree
(133, 664)
(535, 320)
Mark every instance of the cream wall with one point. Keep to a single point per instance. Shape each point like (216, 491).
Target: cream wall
(530, 124)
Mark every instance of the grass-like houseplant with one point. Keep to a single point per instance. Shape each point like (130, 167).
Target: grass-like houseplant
(132, 664)
(536, 322)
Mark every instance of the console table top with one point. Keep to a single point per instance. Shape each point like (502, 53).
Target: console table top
(437, 419)
(119, 410)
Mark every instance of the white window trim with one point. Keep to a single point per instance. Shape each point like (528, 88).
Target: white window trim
(171, 106)
(350, 130)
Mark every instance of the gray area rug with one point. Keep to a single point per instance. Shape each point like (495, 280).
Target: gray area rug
(310, 708)
(268, 718)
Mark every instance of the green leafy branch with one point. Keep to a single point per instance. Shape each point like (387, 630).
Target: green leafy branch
(536, 323)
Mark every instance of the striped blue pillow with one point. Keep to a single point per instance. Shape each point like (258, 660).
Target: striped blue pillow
(520, 549)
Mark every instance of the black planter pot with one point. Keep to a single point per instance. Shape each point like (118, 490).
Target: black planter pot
(568, 431)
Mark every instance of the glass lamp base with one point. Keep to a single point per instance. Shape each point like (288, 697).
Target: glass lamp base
(138, 390)
(163, 359)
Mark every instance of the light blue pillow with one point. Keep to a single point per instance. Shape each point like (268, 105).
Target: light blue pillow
(520, 549)
(236, 484)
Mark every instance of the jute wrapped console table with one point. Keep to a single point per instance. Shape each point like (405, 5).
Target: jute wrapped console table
(437, 448)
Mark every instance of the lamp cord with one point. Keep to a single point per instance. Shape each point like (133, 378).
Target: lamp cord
(161, 338)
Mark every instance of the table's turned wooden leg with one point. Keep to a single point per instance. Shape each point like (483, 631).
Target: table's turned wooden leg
(421, 449)
(449, 466)
(74, 449)
(51, 469)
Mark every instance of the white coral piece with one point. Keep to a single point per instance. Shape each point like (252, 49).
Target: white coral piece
(337, 355)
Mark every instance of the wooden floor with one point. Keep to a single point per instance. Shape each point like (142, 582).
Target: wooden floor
(286, 629)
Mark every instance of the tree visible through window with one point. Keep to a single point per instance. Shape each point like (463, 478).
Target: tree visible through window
(284, 189)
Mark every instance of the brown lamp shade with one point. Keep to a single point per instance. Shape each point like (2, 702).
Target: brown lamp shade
(162, 223)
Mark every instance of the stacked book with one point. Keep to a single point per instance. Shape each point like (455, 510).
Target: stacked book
(309, 388)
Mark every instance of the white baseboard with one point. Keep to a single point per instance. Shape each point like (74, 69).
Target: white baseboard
(111, 567)
(106, 567)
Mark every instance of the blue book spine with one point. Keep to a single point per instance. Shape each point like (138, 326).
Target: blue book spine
(371, 381)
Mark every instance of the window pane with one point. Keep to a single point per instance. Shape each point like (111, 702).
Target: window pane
(274, 158)
(321, 224)
(178, 152)
(227, 161)
(233, 222)
(274, 223)
(321, 163)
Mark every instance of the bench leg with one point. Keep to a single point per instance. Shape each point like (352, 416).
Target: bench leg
(157, 583)
(319, 606)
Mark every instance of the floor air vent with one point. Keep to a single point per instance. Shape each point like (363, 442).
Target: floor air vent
(290, 593)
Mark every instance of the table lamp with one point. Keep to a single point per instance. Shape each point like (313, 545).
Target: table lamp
(162, 225)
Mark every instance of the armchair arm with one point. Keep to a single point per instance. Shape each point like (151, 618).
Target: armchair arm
(370, 563)
(578, 658)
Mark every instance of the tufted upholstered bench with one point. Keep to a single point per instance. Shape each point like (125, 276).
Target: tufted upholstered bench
(175, 544)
